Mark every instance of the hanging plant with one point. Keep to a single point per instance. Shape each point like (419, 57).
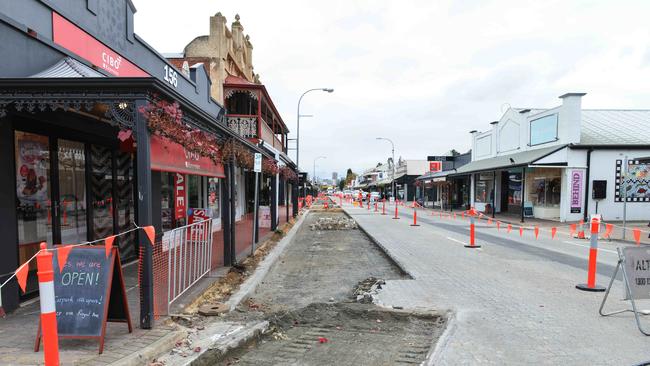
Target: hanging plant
(235, 149)
(269, 166)
(288, 174)
(165, 119)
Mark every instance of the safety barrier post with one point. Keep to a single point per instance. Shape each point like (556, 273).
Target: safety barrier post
(396, 217)
(415, 217)
(472, 240)
(376, 210)
(48, 308)
(593, 254)
(383, 207)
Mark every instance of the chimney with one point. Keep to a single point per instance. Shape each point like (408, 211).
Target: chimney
(570, 117)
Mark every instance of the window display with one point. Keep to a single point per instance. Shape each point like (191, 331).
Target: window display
(543, 187)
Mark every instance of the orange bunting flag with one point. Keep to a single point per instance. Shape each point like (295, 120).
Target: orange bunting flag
(151, 233)
(572, 230)
(62, 254)
(608, 230)
(509, 228)
(536, 232)
(21, 276)
(498, 225)
(521, 231)
(108, 244)
(553, 232)
(637, 236)
(490, 221)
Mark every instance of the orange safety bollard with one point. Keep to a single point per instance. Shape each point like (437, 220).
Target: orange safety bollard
(593, 255)
(415, 217)
(396, 217)
(472, 230)
(48, 308)
(383, 208)
(376, 210)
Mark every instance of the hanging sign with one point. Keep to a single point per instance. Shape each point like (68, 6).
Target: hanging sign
(435, 166)
(89, 291)
(168, 156)
(179, 196)
(576, 191)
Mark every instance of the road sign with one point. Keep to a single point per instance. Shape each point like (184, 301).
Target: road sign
(258, 163)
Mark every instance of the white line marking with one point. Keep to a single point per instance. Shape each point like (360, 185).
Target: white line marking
(456, 240)
(587, 246)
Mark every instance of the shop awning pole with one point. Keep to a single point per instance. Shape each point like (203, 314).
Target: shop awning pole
(144, 215)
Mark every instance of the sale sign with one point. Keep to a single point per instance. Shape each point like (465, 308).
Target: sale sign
(179, 196)
(435, 166)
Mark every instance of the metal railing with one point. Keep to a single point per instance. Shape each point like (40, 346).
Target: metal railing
(189, 250)
(244, 126)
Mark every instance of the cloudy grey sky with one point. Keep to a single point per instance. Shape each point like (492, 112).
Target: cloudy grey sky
(423, 73)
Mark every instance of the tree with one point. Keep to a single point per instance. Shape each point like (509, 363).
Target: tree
(349, 177)
(341, 185)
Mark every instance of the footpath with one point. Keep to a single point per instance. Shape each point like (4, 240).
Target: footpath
(509, 307)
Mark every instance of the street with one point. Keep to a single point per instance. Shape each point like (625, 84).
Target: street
(514, 298)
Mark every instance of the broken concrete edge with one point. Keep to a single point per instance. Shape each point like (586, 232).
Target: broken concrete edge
(250, 285)
(153, 350)
(434, 357)
(234, 341)
(390, 256)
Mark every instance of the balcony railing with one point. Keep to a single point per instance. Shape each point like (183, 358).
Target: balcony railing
(244, 126)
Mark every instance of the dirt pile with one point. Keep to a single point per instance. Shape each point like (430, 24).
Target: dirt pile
(333, 223)
(365, 291)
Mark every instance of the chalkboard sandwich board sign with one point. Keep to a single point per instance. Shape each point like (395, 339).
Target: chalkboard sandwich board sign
(89, 292)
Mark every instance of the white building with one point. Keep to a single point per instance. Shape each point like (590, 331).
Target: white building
(563, 163)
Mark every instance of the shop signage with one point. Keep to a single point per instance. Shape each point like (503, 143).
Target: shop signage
(168, 156)
(435, 166)
(73, 38)
(179, 196)
(265, 217)
(576, 191)
(85, 299)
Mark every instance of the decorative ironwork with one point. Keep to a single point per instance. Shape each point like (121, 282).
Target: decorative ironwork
(244, 126)
(229, 93)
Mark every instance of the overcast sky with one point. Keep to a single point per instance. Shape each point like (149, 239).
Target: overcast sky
(423, 73)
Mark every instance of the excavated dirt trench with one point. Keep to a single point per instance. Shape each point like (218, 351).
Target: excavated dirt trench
(314, 300)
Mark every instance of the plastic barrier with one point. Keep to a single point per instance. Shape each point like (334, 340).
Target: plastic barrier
(48, 308)
(593, 255)
(415, 217)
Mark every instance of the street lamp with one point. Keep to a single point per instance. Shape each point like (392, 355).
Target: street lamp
(313, 178)
(329, 90)
(393, 157)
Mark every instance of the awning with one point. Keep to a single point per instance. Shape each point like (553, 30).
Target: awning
(523, 158)
(168, 156)
(436, 176)
(68, 68)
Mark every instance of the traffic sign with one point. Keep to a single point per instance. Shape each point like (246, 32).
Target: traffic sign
(258, 163)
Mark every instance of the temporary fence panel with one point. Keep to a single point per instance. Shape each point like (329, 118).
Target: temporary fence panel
(189, 252)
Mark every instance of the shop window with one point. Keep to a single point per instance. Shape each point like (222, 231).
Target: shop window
(167, 199)
(484, 189)
(514, 188)
(101, 185)
(543, 187)
(72, 191)
(213, 197)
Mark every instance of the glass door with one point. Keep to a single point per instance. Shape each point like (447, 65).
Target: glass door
(33, 204)
(72, 203)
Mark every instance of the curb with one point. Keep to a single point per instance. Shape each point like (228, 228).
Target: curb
(234, 341)
(434, 356)
(250, 285)
(394, 259)
(153, 350)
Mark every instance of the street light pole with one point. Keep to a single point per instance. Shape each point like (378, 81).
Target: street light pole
(313, 178)
(393, 157)
(329, 90)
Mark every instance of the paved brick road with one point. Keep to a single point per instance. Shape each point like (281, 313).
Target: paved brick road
(512, 306)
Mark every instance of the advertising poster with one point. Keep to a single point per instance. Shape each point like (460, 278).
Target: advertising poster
(265, 217)
(576, 191)
(32, 163)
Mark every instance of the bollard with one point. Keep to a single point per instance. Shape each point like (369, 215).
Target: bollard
(593, 254)
(383, 208)
(415, 217)
(48, 310)
(396, 217)
(368, 205)
(472, 242)
(376, 207)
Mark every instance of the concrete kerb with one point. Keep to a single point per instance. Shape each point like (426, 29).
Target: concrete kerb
(435, 354)
(153, 350)
(250, 285)
(233, 341)
(390, 256)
